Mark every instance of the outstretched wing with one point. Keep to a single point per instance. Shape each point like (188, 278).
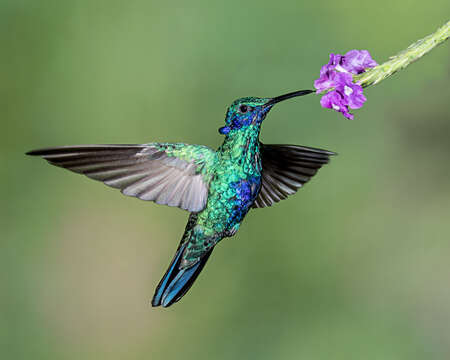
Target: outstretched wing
(169, 174)
(286, 168)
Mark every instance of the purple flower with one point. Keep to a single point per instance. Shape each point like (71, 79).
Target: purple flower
(337, 74)
(353, 93)
(330, 79)
(325, 80)
(357, 61)
(336, 101)
(337, 63)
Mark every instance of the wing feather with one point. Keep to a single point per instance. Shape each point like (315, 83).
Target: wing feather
(169, 174)
(285, 169)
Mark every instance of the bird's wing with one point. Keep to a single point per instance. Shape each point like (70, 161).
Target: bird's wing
(286, 168)
(169, 174)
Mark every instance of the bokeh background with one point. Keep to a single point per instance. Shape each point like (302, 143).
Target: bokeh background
(355, 266)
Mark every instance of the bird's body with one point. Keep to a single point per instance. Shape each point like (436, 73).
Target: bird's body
(236, 181)
(218, 188)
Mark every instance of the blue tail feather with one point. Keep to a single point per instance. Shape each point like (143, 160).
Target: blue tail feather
(162, 286)
(176, 282)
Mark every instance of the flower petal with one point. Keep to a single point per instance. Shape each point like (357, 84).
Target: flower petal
(326, 79)
(329, 99)
(357, 61)
(335, 60)
(357, 99)
(336, 101)
(343, 79)
(353, 94)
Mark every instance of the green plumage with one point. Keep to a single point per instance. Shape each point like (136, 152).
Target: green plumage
(236, 160)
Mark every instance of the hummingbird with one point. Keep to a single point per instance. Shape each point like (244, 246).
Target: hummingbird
(217, 188)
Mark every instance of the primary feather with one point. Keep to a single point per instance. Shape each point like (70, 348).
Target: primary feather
(285, 169)
(168, 174)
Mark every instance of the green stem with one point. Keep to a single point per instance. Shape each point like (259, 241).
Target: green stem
(397, 62)
(404, 58)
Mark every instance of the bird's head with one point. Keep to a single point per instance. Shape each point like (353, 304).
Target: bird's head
(252, 111)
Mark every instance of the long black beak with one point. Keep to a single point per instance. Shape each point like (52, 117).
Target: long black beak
(288, 96)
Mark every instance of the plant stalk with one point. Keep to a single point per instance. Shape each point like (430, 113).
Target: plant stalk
(404, 58)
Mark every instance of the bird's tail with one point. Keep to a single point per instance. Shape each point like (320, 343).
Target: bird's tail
(176, 282)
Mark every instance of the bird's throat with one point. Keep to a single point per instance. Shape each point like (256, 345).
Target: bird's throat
(242, 147)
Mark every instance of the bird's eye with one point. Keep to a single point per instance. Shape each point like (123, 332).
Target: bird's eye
(243, 109)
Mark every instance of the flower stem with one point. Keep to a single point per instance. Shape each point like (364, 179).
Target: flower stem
(404, 58)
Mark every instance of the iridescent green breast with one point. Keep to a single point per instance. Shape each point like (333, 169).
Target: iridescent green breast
(235, 184)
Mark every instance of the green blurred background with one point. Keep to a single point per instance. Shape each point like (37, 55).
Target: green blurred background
(355, 266)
